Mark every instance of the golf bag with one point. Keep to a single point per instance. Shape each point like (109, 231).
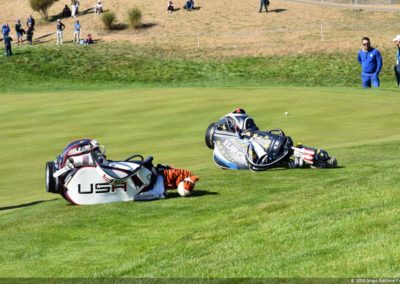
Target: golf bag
(237, 143)
(83, 175)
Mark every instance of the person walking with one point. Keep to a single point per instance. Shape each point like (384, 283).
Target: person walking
(264, 3)
(371, 64)
(397, 65)
(77, 32)
(59, 34)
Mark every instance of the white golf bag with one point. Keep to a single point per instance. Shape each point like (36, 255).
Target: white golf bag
(83, 175)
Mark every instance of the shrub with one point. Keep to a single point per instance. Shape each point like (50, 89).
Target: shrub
(41, 6)
(135, 17)
(108, 19)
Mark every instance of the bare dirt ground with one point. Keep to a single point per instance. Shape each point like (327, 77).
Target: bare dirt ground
(224, 27)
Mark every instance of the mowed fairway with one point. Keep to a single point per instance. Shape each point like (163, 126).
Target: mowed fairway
(343, 222)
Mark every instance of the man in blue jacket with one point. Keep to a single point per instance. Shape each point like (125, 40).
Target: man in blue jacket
(371, 64)
(5, 30)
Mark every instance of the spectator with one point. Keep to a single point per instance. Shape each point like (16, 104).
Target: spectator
(77, 7)
(30, 22)
(170, 7)
(88, 39)
(371, 64)
(66, 12)
(59, 34)
(189, 5)
(20, 31)
(7, 45)
(397, 65)
(77, 32)
(73, 10)
(29, 34)
(264, 3)
(98, 8)
(5, 30)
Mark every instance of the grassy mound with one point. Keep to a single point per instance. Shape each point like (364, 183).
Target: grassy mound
(109, 66)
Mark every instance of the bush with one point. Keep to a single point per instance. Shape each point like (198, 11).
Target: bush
(135, 17)
(42, 6)
(108, 19)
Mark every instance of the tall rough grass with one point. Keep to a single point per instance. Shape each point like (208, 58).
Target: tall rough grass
(42, 6)
(108, 19)
(135, 17)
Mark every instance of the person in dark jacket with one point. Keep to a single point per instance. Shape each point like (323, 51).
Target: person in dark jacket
(30, 22)
(66, 12)
(29, 34)
(59, 34)
(20, 32)
(7, 45)
(371, 64)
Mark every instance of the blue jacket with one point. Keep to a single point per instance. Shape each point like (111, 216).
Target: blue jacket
(371, 61)
(398, 56)
(5, 30)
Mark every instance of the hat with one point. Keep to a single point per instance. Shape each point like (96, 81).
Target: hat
(397, 38)
(58, 20)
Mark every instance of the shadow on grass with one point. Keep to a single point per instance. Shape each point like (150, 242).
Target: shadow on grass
(277, 10)
(25, 204)
(60, 16)
(146, 26)
(119, 27)
(195, 193)
(43, 36)
(193, 9)
(63, 15)
(36, 42)
(87, 11)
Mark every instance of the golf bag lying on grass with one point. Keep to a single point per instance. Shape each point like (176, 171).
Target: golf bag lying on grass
(239, 144)
(83, 175)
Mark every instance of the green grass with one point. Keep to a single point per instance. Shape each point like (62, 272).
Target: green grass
(280, 223)
(110, 66)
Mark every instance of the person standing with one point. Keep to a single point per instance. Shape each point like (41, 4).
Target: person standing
(371, 64)
(30, 22)
(77, 32)
(7, 45)
(73, 10)
(264, 3)
(77, 4)
(397, 65)
(5, 30)
(59, 34)
(29, 34)
(170, 7)
(20, 31)
(98, 8)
